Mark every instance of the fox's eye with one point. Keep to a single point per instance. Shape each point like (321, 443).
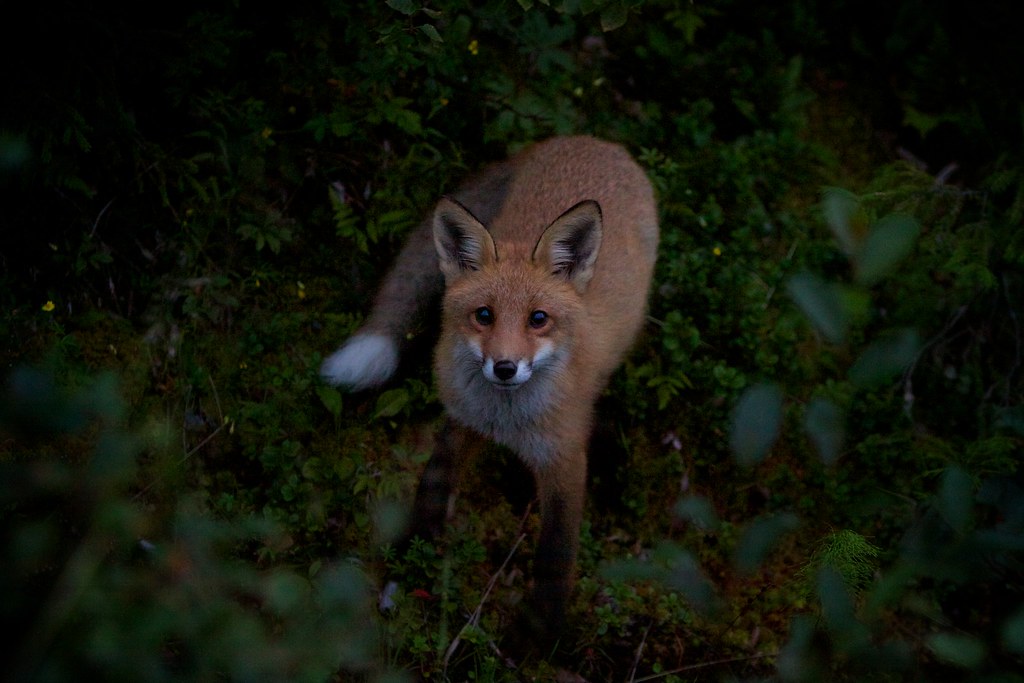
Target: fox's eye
(484, 315)
(538, 319)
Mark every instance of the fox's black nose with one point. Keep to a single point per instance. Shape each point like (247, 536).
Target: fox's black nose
(504, 370)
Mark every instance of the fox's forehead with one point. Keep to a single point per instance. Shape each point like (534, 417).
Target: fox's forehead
(513, 286)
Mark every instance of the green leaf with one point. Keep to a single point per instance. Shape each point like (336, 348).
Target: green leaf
(390, 519)
(285, 592)
(431, 32)
(685, 575)
(404, 6)
(823, 305)
(837, 607)
(958, 649)
(885, 359)
(760, 537)
(613, 15)
(889, 242)
(755, 423)
(798, 659)
(1013, 633)
(955, 499)
(698, 511)
(824, 424)
(841, 208)
(331, 398)
(920, 121)
(391, 402)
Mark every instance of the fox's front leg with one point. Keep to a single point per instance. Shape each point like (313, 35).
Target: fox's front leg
(561, 490)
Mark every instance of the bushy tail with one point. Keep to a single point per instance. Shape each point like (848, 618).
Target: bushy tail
(371, 355)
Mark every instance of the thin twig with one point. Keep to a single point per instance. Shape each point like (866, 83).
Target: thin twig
(639, 652)
(192, 451)
(184, 458)
(99, 216)
(474, 618)
(705, 665)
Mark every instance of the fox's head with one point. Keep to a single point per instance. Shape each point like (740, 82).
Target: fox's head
(509, 314)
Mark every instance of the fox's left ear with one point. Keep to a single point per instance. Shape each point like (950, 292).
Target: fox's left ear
(462, 242)
(570, 244)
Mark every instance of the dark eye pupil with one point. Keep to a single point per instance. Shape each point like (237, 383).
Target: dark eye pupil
(484, 315)
(538, 318)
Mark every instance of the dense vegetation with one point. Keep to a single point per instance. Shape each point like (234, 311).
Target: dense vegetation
(807, 470)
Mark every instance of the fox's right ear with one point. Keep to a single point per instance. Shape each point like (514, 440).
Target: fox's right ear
(462, 242)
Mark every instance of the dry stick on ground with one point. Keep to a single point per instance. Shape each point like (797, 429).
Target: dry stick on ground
(474, 618)
(705, 665)
(639, 652)
(223, 422)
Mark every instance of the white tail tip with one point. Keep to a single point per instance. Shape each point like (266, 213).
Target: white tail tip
(364, 361)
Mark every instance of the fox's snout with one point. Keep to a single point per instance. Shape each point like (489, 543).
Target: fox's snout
(505, 370)
(507, 373)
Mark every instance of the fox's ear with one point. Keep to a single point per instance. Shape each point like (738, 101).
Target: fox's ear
(570, 244)
(462, 242)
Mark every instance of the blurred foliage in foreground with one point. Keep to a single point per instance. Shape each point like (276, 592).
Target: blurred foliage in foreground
(809, 469)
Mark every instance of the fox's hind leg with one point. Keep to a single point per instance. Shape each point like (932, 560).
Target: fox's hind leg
(454, 447)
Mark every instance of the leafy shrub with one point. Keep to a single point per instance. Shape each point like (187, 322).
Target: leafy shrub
(833, 352)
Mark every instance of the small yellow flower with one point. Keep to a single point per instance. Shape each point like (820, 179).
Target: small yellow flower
(717, 251)
(301, 290)
(49, 306)
(444, 101)
(266, 132)
(474, 47)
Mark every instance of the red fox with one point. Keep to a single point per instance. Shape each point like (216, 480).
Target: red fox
(544, 262)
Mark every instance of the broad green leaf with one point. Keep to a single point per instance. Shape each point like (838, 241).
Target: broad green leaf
(404, 6)
(955, 499)
(698, 511)
(613, 15)
(920, 121)
(825, 425)
(885, 359)
(888, 243)
(1013, 633)
(958, 649)
(755, 423)
(331, 398)
(798, 659)
(390, 519)
(685, 575)
(760, 537)
(285, 592)
(431, 32)
(841, 208)
(391, 402)
(837, 608)
(823, 305)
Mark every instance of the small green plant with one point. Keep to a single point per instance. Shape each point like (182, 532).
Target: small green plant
(850, 555)
(91, 570)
